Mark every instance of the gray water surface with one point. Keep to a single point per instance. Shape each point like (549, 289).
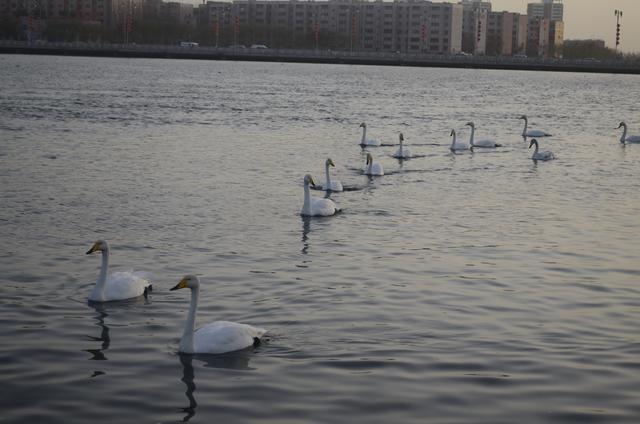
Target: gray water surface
(478, 287)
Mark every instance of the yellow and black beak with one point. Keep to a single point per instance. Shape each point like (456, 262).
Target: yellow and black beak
(369, 159)
(97, 247)
(181, 285)
(311, 182)
(331, 163)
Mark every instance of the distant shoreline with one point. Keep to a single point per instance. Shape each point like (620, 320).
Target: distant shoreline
(320, 57)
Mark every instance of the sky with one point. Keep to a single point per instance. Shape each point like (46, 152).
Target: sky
(592, 19)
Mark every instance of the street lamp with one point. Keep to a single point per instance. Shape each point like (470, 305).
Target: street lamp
(618, 14)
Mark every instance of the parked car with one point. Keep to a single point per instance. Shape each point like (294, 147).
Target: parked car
(259, 46)
(237, 46)
(189, 44)
(520, 56)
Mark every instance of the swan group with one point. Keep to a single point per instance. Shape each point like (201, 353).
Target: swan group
(225, 336)
(216, 337)
(630, 139)
(119, 285)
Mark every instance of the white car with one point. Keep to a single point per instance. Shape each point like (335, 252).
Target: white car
(259, 46)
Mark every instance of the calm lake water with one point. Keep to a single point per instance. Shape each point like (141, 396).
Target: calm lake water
(478, 287)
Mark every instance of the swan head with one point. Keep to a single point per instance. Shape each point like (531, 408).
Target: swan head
(523, 117)
(99, 246)
(363, 125)
(308, 180)
(329, 162)
(401, 137)
(622, 124)
(369, 158)
(453, 132)
(533, 142)
(471, 124)
(188, 281)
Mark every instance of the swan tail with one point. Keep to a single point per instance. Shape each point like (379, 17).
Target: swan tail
(256, 342)
(498, 145)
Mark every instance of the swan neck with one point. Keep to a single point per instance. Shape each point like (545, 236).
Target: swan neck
(526, 124)
(473, 131)
(624, 134)
(186, 342)
(328, 185)
(99, 289)
(401, 148)
(535, 152)
(453, 143)
(306, 207)
(364, 134)
(369, 167)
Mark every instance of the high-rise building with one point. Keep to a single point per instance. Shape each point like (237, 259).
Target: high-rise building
(474, 25)
(411, 26)
(552, 10)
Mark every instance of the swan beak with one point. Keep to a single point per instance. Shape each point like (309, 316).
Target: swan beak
(181, 285)
(312, 183)
(97, 247)
(331, 163)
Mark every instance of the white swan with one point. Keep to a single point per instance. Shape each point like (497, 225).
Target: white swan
(402, 152)
(455, 146)
(480, 143)
(119, 285)
(217, 337)
(532, 133)
(314, 206)
(367, 141)
(624, 139)
(537, 155)
(331, 185)
(373, 168)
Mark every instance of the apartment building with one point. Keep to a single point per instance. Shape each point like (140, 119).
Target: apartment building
(552, 10)
(475, 20)
(500, 33)
(111, 13)
(416, 26)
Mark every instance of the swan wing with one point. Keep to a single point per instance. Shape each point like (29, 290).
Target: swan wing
(334, 186)
(537, 133)
(633, 139)
(225, 336)
(377, 169)
(485, 143)
(371, 142)
(322, 207)
(126, 285)
(459, 146)
(544, 155)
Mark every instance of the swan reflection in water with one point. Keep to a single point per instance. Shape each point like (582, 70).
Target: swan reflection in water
(234, 361)
(306, 228)
(98, 354)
